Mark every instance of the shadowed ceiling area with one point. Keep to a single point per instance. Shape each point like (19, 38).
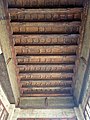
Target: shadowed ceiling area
(47, 37)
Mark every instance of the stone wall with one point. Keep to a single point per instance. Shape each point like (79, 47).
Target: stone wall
(83, 59)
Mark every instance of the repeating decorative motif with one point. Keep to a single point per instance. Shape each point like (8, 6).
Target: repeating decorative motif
(44, 3)
(45, 68)
(51, 50)
(46, 38)
(44, 27)
(45, 59)
(46, 14)
(45, 75)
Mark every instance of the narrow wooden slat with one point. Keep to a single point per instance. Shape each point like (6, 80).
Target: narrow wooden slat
(26, 84)
(45, 68)
(44, 3)
(45, 88)
(45, 75)
(42, 92)
(68, 79)
(45, 14)
(45, 50)
(30, 94)
(45, 27)
(46, 92)
(20, 40)
(45, 59)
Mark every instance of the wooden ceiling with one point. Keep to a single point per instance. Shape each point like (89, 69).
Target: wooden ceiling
(46, 40)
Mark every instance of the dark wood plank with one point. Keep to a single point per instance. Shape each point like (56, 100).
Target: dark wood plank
(45, 50)
(27, 84)
(45, 27)
(29, 15)
(21, 40)
(45, 68)
(45, 3)
(45, 75)
(23, 60)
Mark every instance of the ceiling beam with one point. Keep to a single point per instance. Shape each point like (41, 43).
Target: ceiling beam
(67, 59)
(49, 15)
(46, 102)
(30, 40)
(45, 27)
(44, 3)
